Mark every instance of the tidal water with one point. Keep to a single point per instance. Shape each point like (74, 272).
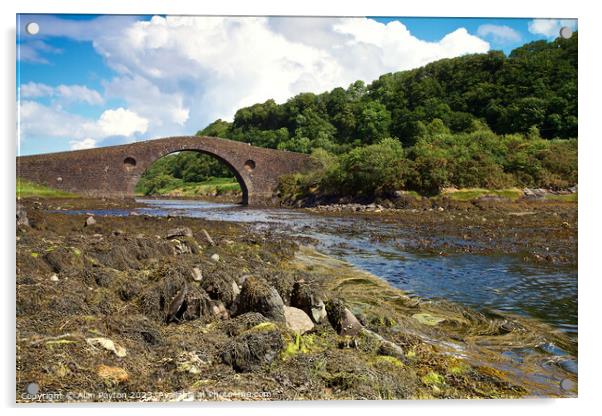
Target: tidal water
(484, 282)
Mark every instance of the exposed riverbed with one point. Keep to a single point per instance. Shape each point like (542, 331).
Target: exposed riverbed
(496, 282)
(455, 302)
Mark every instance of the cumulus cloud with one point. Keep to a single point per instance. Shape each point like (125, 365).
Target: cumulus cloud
(39, 120)
(176, 74)
(183, 72)
(66, 93)
(550, 27)
(499, 33)
(121, 122)
(87, 143)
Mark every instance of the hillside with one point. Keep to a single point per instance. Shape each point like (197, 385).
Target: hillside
(535, 87)
(484, 121)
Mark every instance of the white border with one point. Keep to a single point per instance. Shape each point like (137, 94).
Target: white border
(590, 316)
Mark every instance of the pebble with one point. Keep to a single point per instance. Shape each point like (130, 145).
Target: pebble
(215, 257)
(197, 275)
(54, 278)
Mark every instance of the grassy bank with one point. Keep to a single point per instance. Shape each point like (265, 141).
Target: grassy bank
(27, 189)
(471, 194)
(210, 187)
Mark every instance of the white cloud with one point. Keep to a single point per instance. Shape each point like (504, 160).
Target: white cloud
(87, 143)
(66, 94)
(499, 33)
(73, 93)
(550, 27)
(35, 90)
(176, 74)
(32, 51)
(121, 122)
(183, 72)
(39, 120)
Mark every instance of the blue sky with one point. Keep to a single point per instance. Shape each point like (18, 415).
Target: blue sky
(86, 81)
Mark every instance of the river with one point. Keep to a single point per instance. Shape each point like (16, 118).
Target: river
(502, 283)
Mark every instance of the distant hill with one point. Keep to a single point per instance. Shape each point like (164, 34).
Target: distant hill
(535, 87)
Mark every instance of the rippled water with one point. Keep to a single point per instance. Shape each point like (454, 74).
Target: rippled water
(500, 283)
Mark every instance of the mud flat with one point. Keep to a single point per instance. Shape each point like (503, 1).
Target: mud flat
(142, 308)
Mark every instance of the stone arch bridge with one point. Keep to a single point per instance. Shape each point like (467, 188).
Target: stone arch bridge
(114, 171)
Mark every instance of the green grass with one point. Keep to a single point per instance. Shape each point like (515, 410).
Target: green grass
(562, 198)
(27, 189)
(470, 194)
(211, 186)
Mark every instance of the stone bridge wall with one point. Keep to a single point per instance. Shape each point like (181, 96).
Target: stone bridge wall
(115, 171)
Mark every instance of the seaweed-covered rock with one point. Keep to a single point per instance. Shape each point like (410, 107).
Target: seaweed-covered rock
(283, 282)
(62, 260)
(258, 296)
(185, 245)
(219, 310)
(172, 299)
(219, 287)
(178, 232)
(239, 324)
(22, 216)
(304, 298)
(342, 319)
(253, 348)
(101, 276)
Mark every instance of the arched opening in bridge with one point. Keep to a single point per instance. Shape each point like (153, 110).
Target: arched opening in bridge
(250, 165)
(193, 174)
(129, 163)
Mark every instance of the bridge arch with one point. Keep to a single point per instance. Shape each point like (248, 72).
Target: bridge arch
(243, 180)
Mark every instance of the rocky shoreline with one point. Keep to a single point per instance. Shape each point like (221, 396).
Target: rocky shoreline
(148, 309)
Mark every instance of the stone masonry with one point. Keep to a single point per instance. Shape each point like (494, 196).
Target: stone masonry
(114, 171)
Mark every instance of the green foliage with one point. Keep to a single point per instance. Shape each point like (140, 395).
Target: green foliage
(534, 87)
(373, 170)
(486, 121)
(478, 160)
(178, 169)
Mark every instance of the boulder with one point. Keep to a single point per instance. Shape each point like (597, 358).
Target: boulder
(304, 298)
(219, 286)
(178, 232)
(342, 319)
(89, 221)
(297, 320)
(257, 295)
(253, 348)
(63, 260)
